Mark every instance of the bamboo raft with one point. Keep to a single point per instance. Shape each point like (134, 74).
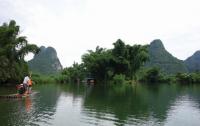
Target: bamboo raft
(14, 96)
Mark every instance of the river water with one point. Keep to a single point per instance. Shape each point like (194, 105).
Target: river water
(90, 105)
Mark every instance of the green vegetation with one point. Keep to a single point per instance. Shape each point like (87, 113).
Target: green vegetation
(188, 78)
(124, 64)
(43, 79)
(119, 79)
(154, 75)
(118, 64)
(13, 48)
(45, 62)
(123, 59)
(72, 74)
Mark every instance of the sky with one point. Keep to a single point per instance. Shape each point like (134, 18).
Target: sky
(74, 26)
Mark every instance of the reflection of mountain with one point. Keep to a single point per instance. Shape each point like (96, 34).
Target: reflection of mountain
(138, 102)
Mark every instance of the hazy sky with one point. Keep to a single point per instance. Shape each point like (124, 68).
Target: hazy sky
(74, 26)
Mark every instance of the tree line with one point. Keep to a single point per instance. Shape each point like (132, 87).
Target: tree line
(122, 64)
(105, 64)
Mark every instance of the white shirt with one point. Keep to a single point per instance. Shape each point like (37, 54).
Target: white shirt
(26, 79)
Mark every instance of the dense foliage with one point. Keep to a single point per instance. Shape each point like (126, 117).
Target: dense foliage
(119, 79)
(122, 59)
(13, 48)
(154, 75)
(42, 79)
(188, 78)
(72, 74)
(120, 63)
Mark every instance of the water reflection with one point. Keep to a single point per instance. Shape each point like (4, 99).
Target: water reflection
(186, 111)
(88, 105)
(138, 105)
(45, 104)
(28, 104)
(36, 109)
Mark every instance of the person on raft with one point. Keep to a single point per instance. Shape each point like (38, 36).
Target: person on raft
(27, 83)
(25, 87)
(29, 86)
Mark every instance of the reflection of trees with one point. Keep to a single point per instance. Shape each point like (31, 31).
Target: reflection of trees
(41, 107)
(140, 102)
(45, 103)
(74, 90)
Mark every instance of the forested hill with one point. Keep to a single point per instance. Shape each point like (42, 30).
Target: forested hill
(193, 62)
(45, 62)
(160, 57)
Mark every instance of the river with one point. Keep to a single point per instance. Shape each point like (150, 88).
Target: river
(91, 105)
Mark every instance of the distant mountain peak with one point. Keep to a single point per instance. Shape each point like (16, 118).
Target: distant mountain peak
(51, 48)
(46, 61)
(157, 43)
(193, 62)
(197, 53)
(160, 57)
(42, 48)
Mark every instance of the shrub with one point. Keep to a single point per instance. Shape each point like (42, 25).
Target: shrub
(42, 79)
(62, 79)
(188, 78)
(119, 79)
(153, 75)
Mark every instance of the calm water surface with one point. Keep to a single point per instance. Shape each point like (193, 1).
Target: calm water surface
(87, 105)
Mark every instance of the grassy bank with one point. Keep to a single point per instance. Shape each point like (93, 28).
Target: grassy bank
(42, 79)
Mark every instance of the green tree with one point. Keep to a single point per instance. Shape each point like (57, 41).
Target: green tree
(97, 63)
(188, 78)
(137, 55)
(153, 75)
(13, 48)
(122, 59)
(74, 73)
